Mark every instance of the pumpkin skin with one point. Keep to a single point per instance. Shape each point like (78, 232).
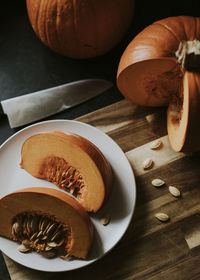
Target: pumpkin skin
(149, 74)
(57, 151)
(80, 28)
(54, 203)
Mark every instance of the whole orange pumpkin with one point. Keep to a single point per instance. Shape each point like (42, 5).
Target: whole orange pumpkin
(80, 28)
(160, 67)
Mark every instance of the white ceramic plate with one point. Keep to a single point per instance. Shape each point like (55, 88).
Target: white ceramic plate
(120, 206)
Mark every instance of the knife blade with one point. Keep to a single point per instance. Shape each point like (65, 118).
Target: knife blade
(34, 106)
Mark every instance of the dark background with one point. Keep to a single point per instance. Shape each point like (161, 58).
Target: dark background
(26, 65)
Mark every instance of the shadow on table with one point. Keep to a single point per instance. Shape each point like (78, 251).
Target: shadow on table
(4, 275)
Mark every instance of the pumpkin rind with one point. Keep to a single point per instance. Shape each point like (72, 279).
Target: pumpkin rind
(184, 133)
(80, 154)
(51, 202)
(80, 28)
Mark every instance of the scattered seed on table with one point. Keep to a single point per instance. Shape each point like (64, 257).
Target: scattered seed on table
(162, 217)
(174, 191)
(156, 144)
(147, 163)
(158, 182)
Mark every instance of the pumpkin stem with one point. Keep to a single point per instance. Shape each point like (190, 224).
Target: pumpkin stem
(188, 55)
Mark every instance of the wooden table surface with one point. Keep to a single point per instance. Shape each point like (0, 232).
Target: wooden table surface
(149, 249)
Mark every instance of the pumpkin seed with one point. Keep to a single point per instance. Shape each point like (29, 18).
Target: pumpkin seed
(29, 229)
(44, 224)
(16, 228)
(33, 236)
(174, 191)
(155, 144)
(34, 223)
(26, 243)
(105, 219)
(48, 248)
(23, 249)
(51, 228)
(60, 242)
(39, 234)
(49, 254)
(71, 189)
(47, 227)
(66, 257)
(41, 223)
(52, 244)
(56, 235)
(36, 241)
(147, 163)
(162, 217)
(157, 182)
(44, 237)
(25, 226)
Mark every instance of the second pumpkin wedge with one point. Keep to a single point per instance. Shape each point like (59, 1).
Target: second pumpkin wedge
(47, 221)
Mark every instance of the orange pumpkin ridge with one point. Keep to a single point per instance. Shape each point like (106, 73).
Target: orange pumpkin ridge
(81, 28)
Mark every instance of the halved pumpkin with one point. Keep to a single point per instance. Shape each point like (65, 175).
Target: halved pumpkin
(46, 217)
(72, 163)
(156, 69)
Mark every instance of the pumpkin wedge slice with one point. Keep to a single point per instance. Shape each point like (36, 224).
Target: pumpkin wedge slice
(183, 115)
(47, 221)
(72, 163)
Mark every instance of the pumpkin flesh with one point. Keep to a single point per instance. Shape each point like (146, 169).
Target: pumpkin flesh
(150, 82)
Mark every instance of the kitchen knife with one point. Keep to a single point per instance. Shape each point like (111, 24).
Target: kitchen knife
(31, 107)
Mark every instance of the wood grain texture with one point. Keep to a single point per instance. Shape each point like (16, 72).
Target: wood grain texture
(150, 249)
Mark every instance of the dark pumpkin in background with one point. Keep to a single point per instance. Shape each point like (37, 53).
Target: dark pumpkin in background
(155, 70)
(80, 28)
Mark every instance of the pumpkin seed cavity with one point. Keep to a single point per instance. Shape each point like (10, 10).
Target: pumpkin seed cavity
(175, 108)
(163, 85)
(41, 233)
(63, 175)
